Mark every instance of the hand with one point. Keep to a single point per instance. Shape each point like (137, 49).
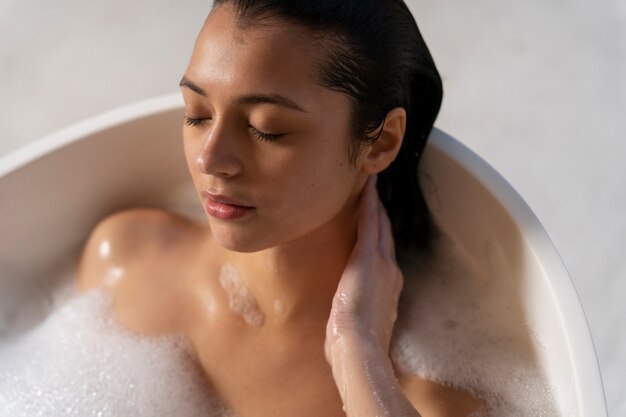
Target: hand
(366, 302)
(362, 316)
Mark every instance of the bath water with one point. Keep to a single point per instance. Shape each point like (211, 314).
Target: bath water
(464, 327)
(457, 326)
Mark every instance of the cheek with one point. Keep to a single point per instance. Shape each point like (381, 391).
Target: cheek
(313, 189)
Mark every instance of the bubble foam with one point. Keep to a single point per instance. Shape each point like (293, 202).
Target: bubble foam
(80, 362)
(458, 326)
(466, 328)
(239, 298)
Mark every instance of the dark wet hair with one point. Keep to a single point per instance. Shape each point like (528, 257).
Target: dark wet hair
(377, 56)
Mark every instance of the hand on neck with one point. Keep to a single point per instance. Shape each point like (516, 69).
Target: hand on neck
(297, 280)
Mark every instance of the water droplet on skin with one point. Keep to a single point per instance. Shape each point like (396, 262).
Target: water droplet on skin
(279, 307)
(343, 298)
(105, 249)
(209, 303)
(114, 274)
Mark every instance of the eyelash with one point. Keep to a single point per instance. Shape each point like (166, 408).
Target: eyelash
(267, 137)
(194, 122)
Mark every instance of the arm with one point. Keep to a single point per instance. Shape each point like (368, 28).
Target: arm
(361, 321)
(366, 380)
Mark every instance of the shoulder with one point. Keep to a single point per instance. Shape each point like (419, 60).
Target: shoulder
(123, 238)
(435, 399)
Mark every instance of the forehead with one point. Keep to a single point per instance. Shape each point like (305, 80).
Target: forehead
(276, 56)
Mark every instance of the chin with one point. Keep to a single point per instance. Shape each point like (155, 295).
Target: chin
(238, 239)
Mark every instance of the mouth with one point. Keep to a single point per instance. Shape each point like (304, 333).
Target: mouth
(224, 207)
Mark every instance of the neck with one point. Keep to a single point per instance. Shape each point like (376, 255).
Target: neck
(298, 280)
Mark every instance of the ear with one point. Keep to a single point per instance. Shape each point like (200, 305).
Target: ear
(380, 154)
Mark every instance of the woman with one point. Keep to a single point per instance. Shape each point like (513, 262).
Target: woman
(290, 293)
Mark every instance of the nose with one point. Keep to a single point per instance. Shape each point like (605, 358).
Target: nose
(220, 154)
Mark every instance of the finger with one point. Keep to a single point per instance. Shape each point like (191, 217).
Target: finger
(367, 234)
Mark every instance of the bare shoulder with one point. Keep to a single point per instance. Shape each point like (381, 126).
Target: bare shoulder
(126, 237)
(436, 400)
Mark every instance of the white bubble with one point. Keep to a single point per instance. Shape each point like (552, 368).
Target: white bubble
(239, 298)
(79, 362)
(458, 326)
(464, 329)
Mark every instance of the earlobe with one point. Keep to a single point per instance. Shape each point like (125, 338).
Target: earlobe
(384, 150)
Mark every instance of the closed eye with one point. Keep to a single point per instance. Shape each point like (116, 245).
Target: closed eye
(268, 137)
(190, 121)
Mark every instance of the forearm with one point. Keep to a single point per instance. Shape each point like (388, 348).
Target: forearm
(366, 380)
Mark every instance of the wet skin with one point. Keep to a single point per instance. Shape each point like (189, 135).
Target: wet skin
(300, 225)
(169, 284)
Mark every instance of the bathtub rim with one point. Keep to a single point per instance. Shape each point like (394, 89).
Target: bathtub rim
(590, 398)
(563, 291)
(38, 148)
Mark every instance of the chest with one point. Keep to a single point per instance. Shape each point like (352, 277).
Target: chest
(270, 373)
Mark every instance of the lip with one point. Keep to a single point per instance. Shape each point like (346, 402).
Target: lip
(224, 207)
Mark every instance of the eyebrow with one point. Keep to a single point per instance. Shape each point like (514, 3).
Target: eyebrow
(275, 99)
(184, 82)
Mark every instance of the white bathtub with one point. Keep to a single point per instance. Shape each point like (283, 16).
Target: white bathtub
(54, 191)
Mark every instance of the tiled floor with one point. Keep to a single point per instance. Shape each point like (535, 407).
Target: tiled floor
(537, 88)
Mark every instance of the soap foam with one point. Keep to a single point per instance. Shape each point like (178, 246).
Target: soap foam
(458, 326)
(239, 299)
(80, 362)
(465, 328)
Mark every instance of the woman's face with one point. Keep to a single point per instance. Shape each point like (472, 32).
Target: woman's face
(266, 146)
